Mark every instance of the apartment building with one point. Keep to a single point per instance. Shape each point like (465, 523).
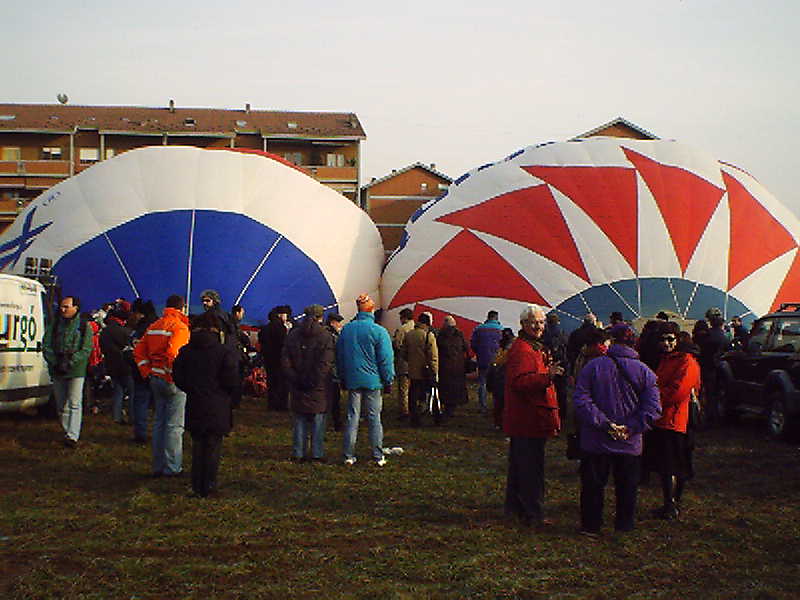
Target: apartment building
(391, 200)
(41, 144)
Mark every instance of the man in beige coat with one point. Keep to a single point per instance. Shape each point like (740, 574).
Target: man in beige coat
(420, 351)
(400, 364)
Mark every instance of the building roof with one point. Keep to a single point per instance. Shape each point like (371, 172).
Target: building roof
(619, 121)
(193, 121)
(417, 165)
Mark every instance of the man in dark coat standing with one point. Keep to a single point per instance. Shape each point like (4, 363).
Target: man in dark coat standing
(208, 372)
(272, 337)
(308, 357)
(115, 342)
(452, 375)
(555, 340)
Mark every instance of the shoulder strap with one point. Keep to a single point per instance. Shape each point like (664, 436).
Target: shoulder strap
(624, 373)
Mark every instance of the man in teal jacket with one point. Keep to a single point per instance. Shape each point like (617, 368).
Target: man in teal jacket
(365, 364)
(67, 346)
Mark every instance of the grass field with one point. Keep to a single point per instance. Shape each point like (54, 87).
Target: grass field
(89, 523)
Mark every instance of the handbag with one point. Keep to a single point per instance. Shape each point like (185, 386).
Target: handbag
(574, 451)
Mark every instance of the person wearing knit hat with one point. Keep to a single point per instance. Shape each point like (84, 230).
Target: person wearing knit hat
(365, 365)
(307, 360)
(616, 400)
(212, 302)
(365, 304)
(622, 333)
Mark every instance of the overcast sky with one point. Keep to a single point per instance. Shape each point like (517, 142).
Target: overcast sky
(458, 84)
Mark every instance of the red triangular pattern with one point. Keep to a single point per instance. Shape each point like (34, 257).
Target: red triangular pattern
(466, 266)
(756, 236)
(465, 325)
(790, 289)
(685, 200)
(529, 217)
(606, 194)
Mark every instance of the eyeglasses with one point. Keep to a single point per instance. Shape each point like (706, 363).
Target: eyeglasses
(668, 338)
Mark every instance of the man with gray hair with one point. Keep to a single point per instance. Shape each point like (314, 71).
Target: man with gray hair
(530, 416)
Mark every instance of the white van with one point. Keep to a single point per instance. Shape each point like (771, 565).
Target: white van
(24, 381)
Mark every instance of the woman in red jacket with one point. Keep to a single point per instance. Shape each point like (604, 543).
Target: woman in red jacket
(668, 447)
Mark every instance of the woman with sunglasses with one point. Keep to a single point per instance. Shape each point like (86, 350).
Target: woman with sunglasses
(668, 448)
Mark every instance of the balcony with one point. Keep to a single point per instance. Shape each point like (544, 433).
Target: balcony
(332, 173)
(35, 168)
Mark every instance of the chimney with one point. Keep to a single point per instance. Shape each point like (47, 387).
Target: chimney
(171, 105)
(247, 107)
(433, 166)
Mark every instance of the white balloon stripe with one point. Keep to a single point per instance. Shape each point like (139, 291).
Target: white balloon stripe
(258, 268)
(121, 264)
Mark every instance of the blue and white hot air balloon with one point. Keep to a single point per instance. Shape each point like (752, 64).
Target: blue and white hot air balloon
(177, 220)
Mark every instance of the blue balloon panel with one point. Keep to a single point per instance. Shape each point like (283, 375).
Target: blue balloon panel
(648, 296)
(231, 253)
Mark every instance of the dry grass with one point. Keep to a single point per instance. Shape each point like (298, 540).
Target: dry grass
(88, 523)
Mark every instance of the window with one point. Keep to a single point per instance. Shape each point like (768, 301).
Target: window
(334, 160)
(51, 153)
(11, 153)
(296, 158)
(443, 187)
(89, 155)
(423, 187)
(786, 337)
(189, 122)
(291, 125)
(758, 336)
(110, 152)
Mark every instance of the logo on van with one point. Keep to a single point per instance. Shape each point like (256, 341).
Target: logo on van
(21, 243)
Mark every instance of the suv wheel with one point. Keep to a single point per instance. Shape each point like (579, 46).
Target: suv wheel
(778, 424)
(722, 402)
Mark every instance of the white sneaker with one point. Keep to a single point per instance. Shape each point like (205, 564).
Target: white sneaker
(389, 451)
(380, 462)
(350, 461)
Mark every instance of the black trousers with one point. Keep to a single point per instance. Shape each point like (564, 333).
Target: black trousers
(595, 469)
(335, 405)
(525, 483)
(416, 399)
(206, 453)
(277, 390)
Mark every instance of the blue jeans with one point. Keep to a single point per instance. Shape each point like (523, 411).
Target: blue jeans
(306, 424)
(140, 405)
(374, 404)
(123, 386)
(482, 388)
(68, 392)
(167, 427)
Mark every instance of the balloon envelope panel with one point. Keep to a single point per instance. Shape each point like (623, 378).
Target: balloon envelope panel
(176, 220)
(600, 225)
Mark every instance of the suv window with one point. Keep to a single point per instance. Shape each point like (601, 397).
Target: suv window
(786, 336)
(758, 335)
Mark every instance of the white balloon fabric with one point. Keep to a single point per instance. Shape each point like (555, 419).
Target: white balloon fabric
(601, 225)
(168, 220)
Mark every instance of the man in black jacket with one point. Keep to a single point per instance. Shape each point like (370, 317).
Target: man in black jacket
(208, 372)
(307, 359)
(115, 342)
(271, 337)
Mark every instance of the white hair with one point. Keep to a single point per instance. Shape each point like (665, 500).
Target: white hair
(529, 311)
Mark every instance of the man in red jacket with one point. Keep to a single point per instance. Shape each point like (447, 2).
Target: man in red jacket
(530, 416)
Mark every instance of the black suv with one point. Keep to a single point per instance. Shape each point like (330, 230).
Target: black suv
(763, 376)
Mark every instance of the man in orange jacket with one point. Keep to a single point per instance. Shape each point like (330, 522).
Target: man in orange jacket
(154, 355)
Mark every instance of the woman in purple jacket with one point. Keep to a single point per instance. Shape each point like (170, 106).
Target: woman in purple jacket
(616, 401)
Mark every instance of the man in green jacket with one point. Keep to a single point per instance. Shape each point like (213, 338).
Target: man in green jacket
(67, 346)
